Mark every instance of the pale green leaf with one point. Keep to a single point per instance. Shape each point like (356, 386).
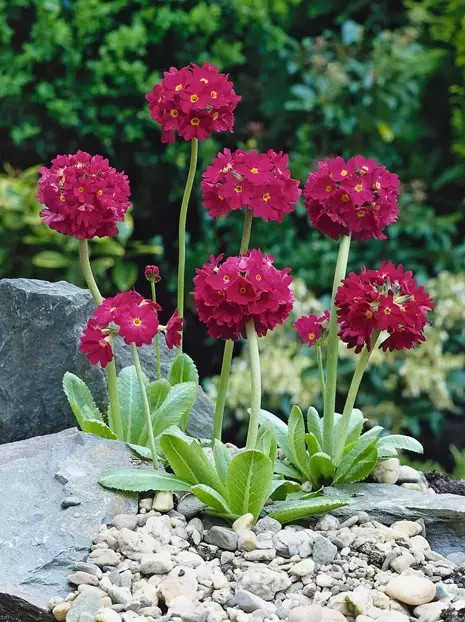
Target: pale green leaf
(94, 426)
(248, 482)
(314, 424)
(296, 441)
(354, 429)
(367, 440)
(291, 511)
(266, 441)
(281, 488)
(222, 457)
(281, 430)
(79, 395)
(281, 468)
(211, 498)
(130, 399)
(140, 481)
(399, 441)
(157, 392)
(177, 403)
(322, 468)
(361, 468)
(313, 445)
(183, 369)
(143, 452)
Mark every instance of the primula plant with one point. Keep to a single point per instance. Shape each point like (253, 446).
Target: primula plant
(237, 297)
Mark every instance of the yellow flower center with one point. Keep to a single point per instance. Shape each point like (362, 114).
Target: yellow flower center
(178, 87)
(194, 98)
(213, 94)
(221, 197)
(344, 172)
(387, 311)
(361, 213)
(100, 192)
(345, 198)
(227, 168)
(358, 188)
(377, 207)
(266, 196)
(238, 188)
(174, 113)
(311, 336)
(243, 290)
(254, 170)
(377, 185)
(215, 115)
(195, 121)
(62, 198)
(137, 321)
(328, 188)
(364, 170)
(369, 315)
(204, 80)
(81, 188)
(258, 277)
(226, 278)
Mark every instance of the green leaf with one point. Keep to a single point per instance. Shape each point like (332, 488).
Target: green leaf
(362, 467)
(135, 480)
(291, 511)
(280, 488)
(281, 430)
(157, 392)
(130, 401)
(314, 424)
(288, 470)
(189, 462)
(142, 452)
(354, 429)
(248, 482)
(266, 441)
(180, 399)
(222, 458)
(94, 426)
(210, 497)
(124, 274)
(50, 259)
(312, 444)
(79, 396)
(399, 441)
(366, 441)
(183, 369)
(322, 468)
(296, 441)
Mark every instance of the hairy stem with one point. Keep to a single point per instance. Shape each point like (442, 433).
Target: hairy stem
(322, 370)
(256, 382)
(145, 404)
(157, 336)
(182, 226)
(115, 413)
(333, 343)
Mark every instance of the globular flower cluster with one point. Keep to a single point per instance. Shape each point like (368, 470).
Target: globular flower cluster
(193, 101)
(311, 328)
(387, 299)
(152, 274)
(259, 181)
(83, 196)
(128, 314)
(357, 197)
(229, 294)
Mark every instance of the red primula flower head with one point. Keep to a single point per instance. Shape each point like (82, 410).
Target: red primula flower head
(311, 328)
(357, 197)
(230, 293)
(193, 101)
(83, 196)
(387, 299)
(258, 181)
(152, 274)
(127, 314)
(173, 330)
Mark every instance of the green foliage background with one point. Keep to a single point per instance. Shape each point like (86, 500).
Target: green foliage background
(318, 78)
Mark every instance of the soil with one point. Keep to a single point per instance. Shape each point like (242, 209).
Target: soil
(453, 616)
(441, 483)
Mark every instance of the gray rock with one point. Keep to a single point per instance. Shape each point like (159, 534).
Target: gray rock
(190, 506)
(40, 543)
(46, 340)
(86, 603)
(443, 514)
(125, 520)
(267, 524)
(324, 551)
(222, 537)
(264, 582)
(248, 602)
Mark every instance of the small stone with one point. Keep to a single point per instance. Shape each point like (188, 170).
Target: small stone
(181, 581)
(190, 506)
(315, 613)
(80, 578)
(407, 527)
(247, 540)
(103, 557)
(248, 602)
(188, 558)
(163, 501)
(264, 582)
(408, 475)
(401, 563)
(303, 568)
(69, 502)
(359, 602)
(328, 523)
(457, 557)
(411, 590)
(243, 522)
(107, 615)
(86, 604)
(264, 555)
(387, 471)
(267, 524)
(393, 616)
(222, 537)
(431, 612)
(60, 611)
(410, 486)
(145, 504)
(156, 563)
(324, 551)
(120, 595)
(419, 543)
(187, 610)
(128, 521)
(324, 580)
(160, 528)
(90, 568)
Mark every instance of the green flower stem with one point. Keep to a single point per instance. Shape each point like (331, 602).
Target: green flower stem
(145, 404)
(333, 344)
(115, 413)
(319, 351)
(256, 381)
(157, 336)
(222, 390)
(182, 226)
(229, 345)
(350, 400)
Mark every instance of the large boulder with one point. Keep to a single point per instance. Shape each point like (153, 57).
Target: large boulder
(444, 515)
(40, 541)
(40, 327)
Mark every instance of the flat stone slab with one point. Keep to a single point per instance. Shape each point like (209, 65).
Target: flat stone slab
(40, 328)
(40, 542)
(444, 515)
